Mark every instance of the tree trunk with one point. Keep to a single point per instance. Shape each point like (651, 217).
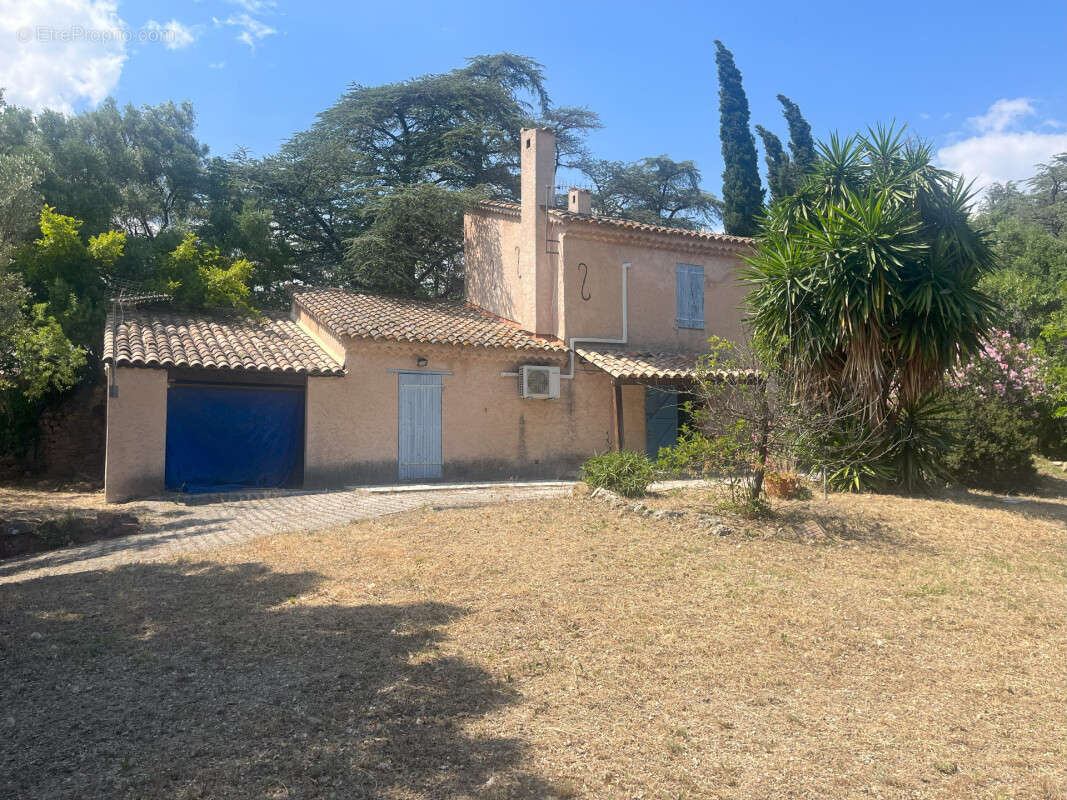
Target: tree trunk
(762, 443)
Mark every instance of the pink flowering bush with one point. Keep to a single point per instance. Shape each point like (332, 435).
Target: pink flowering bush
(1000, 397)
(1007, 370)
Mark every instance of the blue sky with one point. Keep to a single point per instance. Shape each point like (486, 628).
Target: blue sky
(985, 82)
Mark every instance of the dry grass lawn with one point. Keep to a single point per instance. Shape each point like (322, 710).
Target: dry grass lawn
(560, 649)
(36, 501)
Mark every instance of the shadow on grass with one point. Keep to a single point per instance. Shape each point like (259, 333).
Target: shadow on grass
(1052, 481)
(203, 680)
(176, 528)
(793, 519)
(1027, 506)
(872, 532)
(839, 528)
(1047, 500)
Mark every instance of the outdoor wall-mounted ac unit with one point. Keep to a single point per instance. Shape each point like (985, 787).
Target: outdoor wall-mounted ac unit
(539, 383)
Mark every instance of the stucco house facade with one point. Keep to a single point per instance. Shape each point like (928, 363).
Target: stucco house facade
(576, 334)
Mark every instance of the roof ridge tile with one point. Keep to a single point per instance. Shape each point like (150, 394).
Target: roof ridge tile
(565, 216)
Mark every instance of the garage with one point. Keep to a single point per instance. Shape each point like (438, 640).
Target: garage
(226, 437)
(210, 403)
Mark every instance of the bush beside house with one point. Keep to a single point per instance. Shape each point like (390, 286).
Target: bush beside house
(626, 472)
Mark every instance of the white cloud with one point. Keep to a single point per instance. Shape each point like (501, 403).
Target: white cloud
(1003, 114)
(55, 53)
(1002, 149)
(173, 34)
(255, 6)
(998, 157)
(252, 29)
(217, 65)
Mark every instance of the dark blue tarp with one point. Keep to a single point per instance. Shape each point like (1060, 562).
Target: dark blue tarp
(221, 438)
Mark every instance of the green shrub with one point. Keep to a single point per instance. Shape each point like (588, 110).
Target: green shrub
(874, 476)
(625, 472)
(921, 439)
(697, 454)
(736, 498)
(907, 455)
(993, 446)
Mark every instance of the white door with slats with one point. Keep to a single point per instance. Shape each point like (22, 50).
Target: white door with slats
(419, 446)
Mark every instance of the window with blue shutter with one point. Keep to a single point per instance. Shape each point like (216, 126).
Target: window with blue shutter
(690, 296)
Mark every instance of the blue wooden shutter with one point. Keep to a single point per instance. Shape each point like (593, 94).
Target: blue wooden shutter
(690, 296)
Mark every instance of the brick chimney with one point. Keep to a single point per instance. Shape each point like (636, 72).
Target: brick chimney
(536, 265)
(580, 201)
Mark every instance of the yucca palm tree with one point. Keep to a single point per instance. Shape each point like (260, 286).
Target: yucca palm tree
(865, 280)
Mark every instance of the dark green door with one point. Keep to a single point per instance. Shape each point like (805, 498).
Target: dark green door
(661, 419)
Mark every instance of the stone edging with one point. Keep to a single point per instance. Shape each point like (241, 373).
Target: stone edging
(703, 519)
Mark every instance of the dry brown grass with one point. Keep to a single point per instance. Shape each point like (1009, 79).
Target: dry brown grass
(45, 502)
(560, 649)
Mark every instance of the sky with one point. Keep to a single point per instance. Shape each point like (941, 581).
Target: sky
(984, 82)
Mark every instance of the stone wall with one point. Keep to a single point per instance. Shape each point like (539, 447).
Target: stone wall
(73, 435)
(70, 441)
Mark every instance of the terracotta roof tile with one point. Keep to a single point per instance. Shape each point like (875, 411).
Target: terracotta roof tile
(620, 223)
(404, 320)
(272, 343)
(651, 366)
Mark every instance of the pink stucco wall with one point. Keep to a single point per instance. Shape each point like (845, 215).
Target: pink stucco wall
(563, 281)
(136, 434)
(351, 422)
(326, 338)
(652, 292)
(487, 429)
(496, 282)
(492, 245)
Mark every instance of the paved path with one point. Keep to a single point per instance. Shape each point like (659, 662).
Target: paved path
(205, 522)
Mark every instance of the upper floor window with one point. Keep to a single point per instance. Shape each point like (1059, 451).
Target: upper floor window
(690, 296)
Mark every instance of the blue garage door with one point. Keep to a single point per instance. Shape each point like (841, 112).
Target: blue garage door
(222, 438)
(661, 419)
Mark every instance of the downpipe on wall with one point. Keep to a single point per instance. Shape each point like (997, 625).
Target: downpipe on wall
(588, 340)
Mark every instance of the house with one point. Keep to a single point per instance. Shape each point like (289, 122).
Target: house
(577, 335)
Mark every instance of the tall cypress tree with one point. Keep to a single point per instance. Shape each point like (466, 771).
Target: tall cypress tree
(800, 141)
(781, 175)
(742, 193)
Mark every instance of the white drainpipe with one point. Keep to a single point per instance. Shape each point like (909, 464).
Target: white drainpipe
(586, 340)
(625, 324)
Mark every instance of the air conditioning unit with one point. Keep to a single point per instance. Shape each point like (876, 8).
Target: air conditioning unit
(539, 383)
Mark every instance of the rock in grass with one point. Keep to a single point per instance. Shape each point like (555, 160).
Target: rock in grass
(668, 513)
